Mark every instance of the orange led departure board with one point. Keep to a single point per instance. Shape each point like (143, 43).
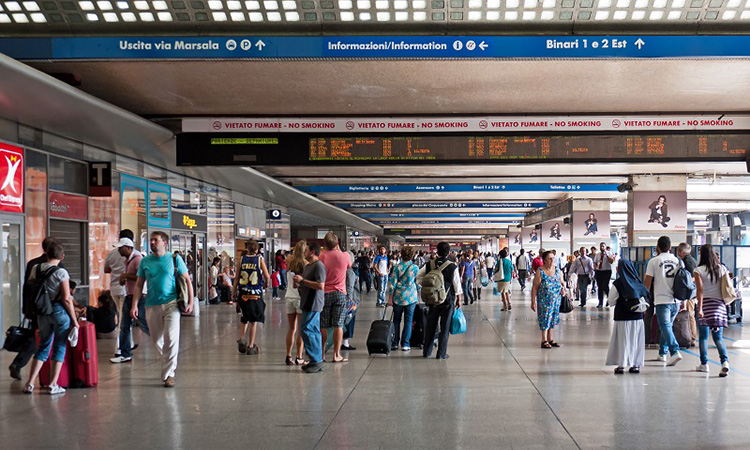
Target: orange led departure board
(299, 149)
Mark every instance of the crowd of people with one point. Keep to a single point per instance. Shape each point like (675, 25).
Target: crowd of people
(322, 295)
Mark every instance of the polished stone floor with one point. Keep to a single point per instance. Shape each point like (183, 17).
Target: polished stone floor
(498, 390)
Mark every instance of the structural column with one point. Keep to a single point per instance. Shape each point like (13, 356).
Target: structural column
(657, 206)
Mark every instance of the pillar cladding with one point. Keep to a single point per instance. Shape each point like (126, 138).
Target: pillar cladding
(657, 206)
(591, 223)
(555, 235)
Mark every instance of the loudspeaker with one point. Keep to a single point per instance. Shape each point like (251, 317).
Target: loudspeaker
(566, 221)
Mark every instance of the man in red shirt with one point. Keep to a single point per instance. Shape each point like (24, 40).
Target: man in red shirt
(537, 263)
(334, 310)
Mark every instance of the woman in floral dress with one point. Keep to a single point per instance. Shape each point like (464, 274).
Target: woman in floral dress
(403, 297)
(546, 294)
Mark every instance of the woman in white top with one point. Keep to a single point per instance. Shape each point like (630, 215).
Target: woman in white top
(295, 265)
(711, 311)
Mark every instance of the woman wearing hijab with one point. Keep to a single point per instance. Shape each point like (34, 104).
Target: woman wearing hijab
(627, 345)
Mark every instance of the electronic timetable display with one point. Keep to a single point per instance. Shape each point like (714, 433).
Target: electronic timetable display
(295, 149)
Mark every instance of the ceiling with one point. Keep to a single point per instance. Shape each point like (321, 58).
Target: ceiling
(25, 17)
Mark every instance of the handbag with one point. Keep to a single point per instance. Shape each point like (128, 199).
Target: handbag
(566, 305)
(16, 337)
(728, 292)
(181, 287)
(458, 322)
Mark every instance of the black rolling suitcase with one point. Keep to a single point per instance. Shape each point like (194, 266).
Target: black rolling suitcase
(380, 338)
(417, 330)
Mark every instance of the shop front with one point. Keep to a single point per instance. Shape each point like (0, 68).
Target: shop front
(12, 224)
(189, 239)
(68, 224)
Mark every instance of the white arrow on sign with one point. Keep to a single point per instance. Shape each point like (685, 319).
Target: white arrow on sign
(639, 43)
(260, 45)
(483, 45)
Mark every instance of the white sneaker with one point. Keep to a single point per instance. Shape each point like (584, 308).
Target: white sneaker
(724, 369)
(120, 359)
(677, 357)
(701, 368)
(661, 358)
(55, 390)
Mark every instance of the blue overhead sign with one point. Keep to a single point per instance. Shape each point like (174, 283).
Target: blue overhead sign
(375, 47)
(336, 188)
(378, 205)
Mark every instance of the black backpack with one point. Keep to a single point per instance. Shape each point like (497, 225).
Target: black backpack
(37, 301)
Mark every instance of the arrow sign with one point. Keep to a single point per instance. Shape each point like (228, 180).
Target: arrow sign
(639, 43)
(260, 45)
(483, 45)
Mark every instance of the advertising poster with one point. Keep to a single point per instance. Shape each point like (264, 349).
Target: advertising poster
(555, 231)
(591, 225)
(530, 238)
(514, 240)
(660, 211)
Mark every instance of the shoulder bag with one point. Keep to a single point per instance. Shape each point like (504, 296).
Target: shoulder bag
(181, 287)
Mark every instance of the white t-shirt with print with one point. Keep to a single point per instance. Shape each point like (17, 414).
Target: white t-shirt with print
(663, 268)
(711, 289)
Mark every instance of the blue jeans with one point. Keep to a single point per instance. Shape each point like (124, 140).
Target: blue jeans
(53, 334)
(408, 312)
(311, 336)
(126, 323)
(665, 315)
(382, 288)
(282, 272)
(468, 292)
(703, 342)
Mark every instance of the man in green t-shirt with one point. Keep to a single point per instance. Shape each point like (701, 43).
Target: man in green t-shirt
(162, 313)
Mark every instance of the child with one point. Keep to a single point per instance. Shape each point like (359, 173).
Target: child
(275, 283)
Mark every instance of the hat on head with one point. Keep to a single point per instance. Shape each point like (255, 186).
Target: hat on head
(124, 242)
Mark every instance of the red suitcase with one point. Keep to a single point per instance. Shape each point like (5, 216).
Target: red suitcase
(45, 374)
(84, 357)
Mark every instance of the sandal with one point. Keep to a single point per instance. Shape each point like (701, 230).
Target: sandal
(289, 361)
(301, 361)
(554, 344)
(342, 360)
(28, 388)
(546, 344)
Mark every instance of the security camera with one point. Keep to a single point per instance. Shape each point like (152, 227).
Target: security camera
(624, 187)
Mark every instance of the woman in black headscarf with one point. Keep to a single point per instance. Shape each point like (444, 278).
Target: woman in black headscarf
(628, 295)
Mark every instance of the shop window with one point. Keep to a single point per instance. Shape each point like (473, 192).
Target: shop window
(133, 207)
(36, 202)
(189, 202)
(68, 176)
(104, 230)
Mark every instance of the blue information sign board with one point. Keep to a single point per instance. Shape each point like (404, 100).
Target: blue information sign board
(452, 205)
(375, 47)
(335, 188)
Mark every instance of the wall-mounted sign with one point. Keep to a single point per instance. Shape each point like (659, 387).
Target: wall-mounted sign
(159, 205)
(274, 214)
(189, 222)
(100, 179)
(68, 206)
(11, 175)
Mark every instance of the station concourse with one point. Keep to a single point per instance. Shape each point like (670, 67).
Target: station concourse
(490, 125)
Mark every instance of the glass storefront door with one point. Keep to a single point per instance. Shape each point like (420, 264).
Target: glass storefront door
(191, 248)
(11, 254)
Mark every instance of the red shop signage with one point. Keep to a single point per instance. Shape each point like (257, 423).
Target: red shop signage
(11, 178)
(68, 206)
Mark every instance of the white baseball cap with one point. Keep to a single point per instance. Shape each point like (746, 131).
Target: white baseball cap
(124, 242)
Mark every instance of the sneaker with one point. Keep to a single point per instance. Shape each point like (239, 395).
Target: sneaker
(169, 382)
(348, 347)
(28, 389)
(724, 369)
(241, 345)
(120, 359)
(118, 353)
(406, 349)
(677, 357)
(15, 372)
(661, 358)
(394, 347)
(254, 350)
(55, 390)
(701, 368)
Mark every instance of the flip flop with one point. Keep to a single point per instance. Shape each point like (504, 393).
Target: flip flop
(342, 360)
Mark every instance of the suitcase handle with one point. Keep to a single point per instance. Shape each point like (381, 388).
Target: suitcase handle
(393, 312)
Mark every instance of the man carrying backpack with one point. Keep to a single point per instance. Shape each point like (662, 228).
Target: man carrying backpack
(441, 292)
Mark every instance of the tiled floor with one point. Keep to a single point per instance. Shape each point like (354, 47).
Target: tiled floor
(498, 390)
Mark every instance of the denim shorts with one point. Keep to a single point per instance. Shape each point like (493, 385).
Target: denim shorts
(334, 310)
(53, 334)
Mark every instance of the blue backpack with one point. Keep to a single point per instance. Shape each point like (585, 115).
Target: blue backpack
(684, 285)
